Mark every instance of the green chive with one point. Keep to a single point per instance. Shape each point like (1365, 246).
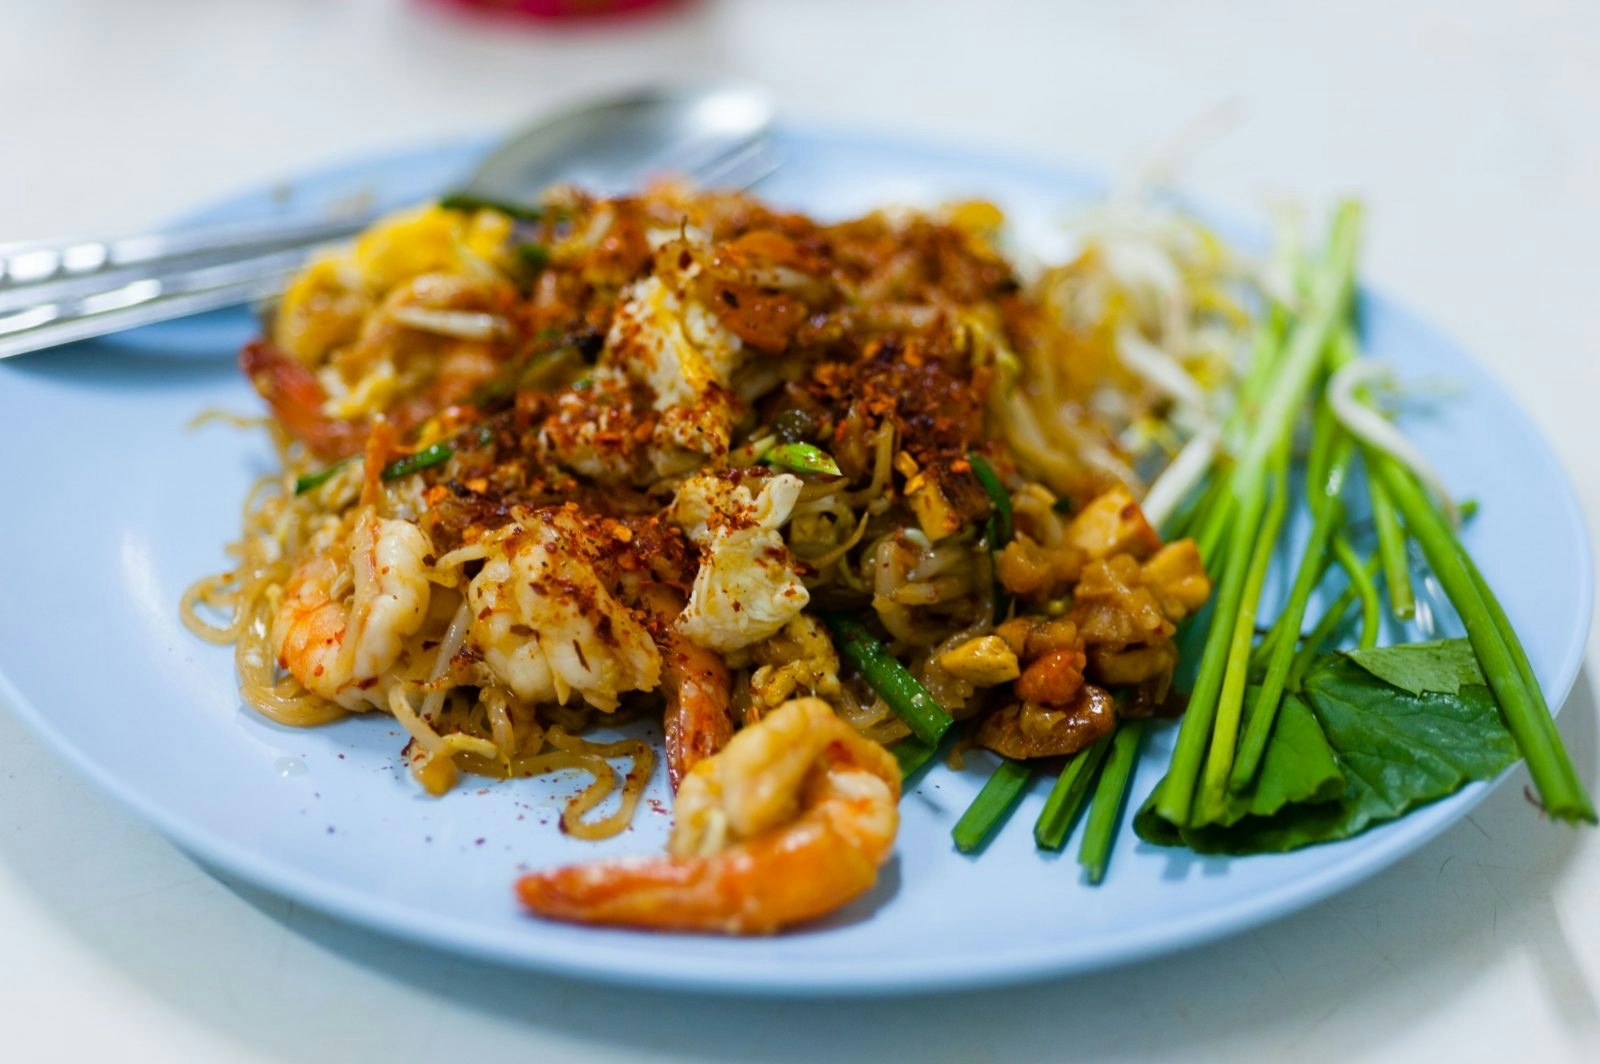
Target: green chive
(998, 496)
(466, 201)
(1392, 549)
(909, 700)
(1065, 802)
(1229, 707)
(1324, 500)
(1505, 664)
(534, 256)
(1105, 811)
(992, 805)
(913, 755)
(411, 463)
(1270, 425)
(1312, 645)
(1365, 589)
(319, 478)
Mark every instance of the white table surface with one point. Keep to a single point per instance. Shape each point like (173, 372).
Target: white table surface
(1471, 128)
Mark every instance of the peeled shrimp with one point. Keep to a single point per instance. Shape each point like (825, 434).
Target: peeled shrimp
(349, 607)
(748, 585)
(789, 822)
(546, 625)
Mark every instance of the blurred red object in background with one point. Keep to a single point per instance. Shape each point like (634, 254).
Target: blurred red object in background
(554, 9)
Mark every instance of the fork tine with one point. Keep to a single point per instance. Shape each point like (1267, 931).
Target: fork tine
(740, 169)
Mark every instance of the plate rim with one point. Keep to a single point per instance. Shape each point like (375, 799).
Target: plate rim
(611, 960)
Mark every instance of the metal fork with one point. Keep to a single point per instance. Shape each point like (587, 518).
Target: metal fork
(58, 292)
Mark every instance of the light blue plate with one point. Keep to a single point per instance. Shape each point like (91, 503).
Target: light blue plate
(112, 506)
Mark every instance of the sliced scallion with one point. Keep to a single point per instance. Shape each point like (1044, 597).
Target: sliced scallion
(802, 458)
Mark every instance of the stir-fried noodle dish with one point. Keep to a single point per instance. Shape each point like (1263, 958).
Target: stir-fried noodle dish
(805, 491)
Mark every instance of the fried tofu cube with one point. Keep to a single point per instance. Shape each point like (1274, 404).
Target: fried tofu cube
(983, 662)
(1113, 524)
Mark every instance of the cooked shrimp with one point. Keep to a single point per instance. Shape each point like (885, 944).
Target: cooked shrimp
(544, 622)
(297, 398)
(699, 720)
(699, 715)
(789, 822)
(349, 608)
(748, 585)
(452, 331)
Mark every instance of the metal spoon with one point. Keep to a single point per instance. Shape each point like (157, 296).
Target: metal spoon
(56, 292)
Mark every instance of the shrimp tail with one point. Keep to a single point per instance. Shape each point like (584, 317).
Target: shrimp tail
(788, 822)
(296, 398)
(699, 719)
(785, 879)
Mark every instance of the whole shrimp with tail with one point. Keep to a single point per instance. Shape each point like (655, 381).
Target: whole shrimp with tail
(789, 821)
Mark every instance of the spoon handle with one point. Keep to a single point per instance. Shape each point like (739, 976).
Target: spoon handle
(58, 292)
(28, 265)
(145, 299)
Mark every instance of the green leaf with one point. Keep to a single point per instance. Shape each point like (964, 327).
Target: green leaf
(1397, 750)
(1298, 767)
(1444, 666)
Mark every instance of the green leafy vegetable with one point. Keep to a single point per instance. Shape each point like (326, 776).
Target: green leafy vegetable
(1395, 748)
(1448, 666)
(1300, 766)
